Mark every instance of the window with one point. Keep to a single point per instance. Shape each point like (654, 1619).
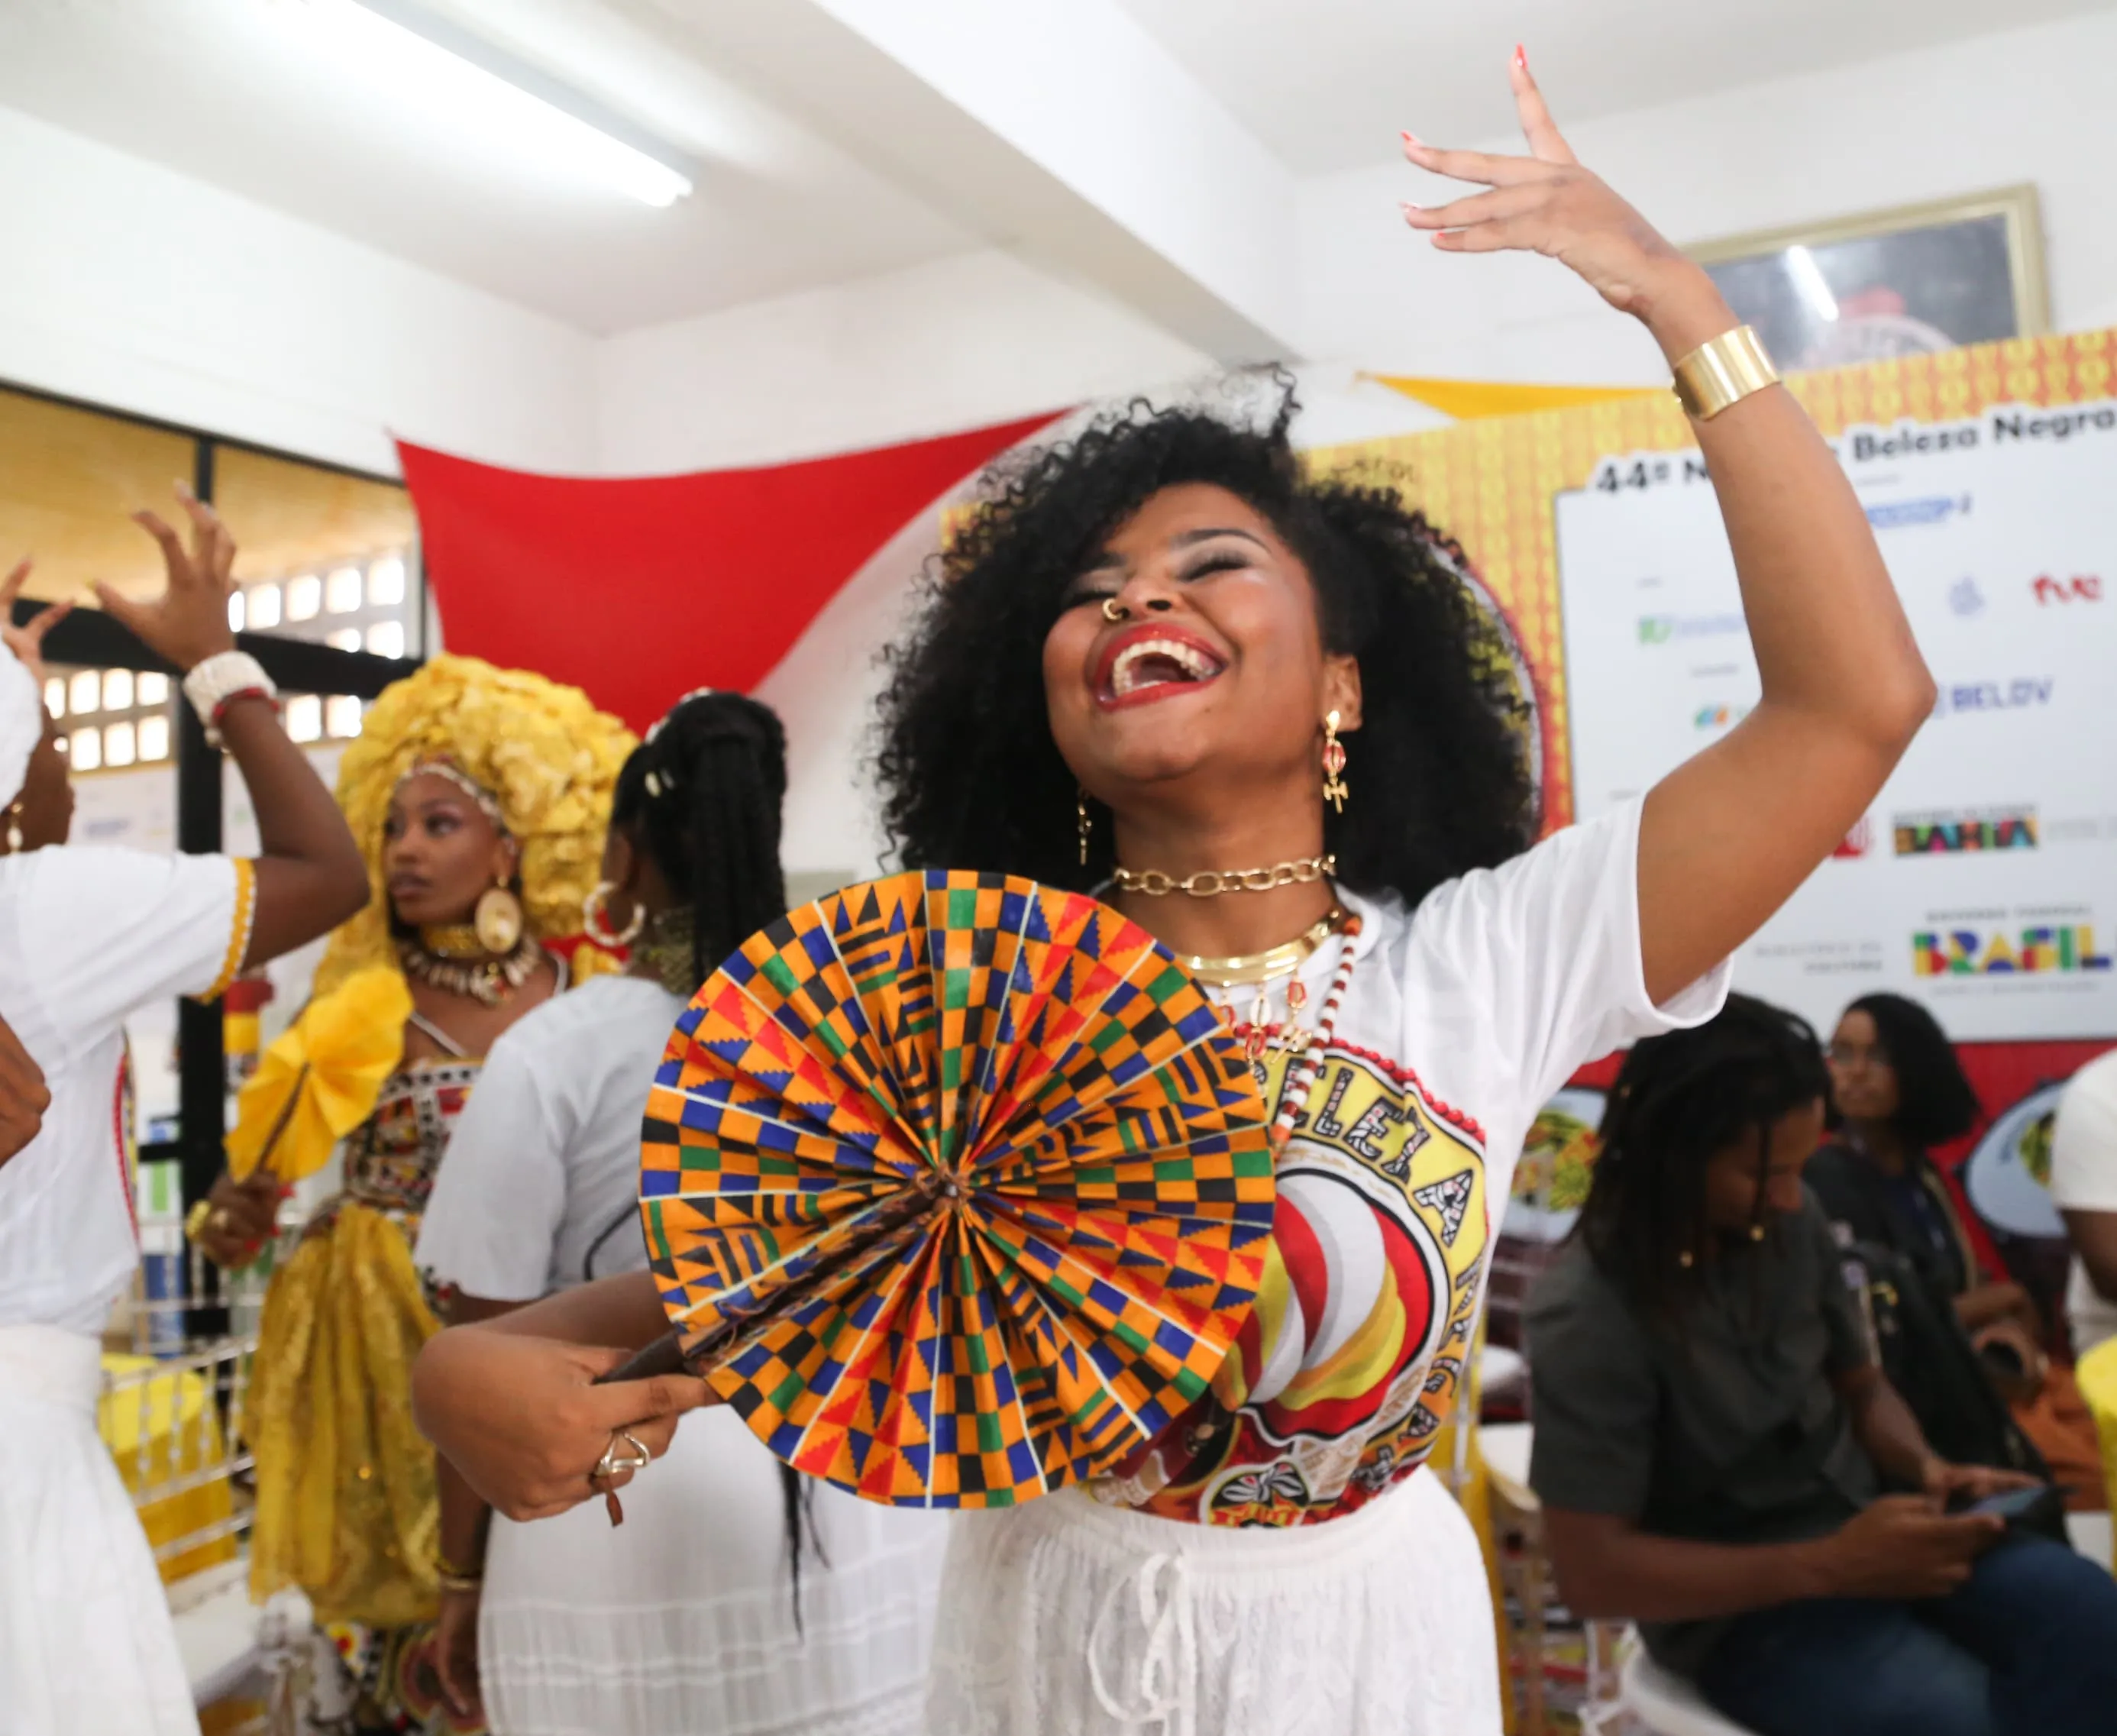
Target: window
(55, 697)
(154, 738)
(85, 749)
(154, 690)
(341, 717)
(118, 690)
(385, 583)
(343, 591)
(343, 638)
(118, 745)
(305, 717)
(235, 612)
(262, 602)
(387, 639)
(85, 693)
(304, 597)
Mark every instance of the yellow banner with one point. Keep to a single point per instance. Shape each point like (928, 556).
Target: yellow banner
(1468, 399)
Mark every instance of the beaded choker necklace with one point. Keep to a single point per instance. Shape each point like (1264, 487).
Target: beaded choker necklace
(449, 958)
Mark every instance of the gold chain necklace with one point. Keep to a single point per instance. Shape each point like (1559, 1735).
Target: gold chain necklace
(1210, 882)
(1265, 966)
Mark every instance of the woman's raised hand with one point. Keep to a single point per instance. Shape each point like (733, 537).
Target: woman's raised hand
(188, 622)
(1547, 203)
(27, 642)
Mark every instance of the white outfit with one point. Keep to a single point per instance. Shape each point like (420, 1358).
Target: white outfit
(86, 936)
(2083, 1178)
(682, 1621)
(1335, 1590)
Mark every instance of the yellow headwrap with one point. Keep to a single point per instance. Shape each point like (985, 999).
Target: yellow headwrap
(547, 756)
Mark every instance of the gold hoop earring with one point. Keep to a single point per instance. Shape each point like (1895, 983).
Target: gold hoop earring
(595, 919)
(1334, 763)
(1112, 610)
(1756, 1232)
(1086, 825)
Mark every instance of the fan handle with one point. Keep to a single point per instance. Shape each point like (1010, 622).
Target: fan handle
(664, 1356)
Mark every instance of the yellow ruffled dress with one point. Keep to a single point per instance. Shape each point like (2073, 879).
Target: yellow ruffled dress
(347, 1506)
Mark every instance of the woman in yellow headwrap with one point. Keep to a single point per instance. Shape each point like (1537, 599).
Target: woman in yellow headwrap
(479, 797)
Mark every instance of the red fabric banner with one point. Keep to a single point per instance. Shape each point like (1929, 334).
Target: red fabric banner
(638, 589)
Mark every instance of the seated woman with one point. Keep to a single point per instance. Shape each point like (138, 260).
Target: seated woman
(88, 936)
(1898, 1091)
(1713, 1436)
(733, 1598)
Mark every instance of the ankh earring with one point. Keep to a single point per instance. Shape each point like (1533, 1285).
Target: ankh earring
(1081, 808)
(1334, 763)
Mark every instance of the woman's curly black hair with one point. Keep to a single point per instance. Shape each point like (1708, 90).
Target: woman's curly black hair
(1935, 1100)
(970, 775)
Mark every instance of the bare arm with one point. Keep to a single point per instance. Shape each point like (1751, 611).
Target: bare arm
(1728, 835)
(1883, 1425)
(2094, 1237)
(623, 1312)
(309, 875)
(1609, 1569)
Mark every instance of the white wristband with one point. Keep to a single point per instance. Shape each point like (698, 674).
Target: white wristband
(210, 683)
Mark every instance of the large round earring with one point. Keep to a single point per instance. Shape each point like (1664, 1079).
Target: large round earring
(1084, 823)
(498, 919)
(1334, 763)
(595, 920)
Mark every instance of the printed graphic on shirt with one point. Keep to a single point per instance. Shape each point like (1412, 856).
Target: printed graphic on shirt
(1355, 1353)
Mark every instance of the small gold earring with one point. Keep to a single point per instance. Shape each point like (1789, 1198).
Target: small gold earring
(1081, 808)
(14, 826)
(1112, 610)
(1685, 1259)
(1334, 762)
(1756, 1232)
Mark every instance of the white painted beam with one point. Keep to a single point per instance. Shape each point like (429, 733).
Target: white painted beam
(1055, 127)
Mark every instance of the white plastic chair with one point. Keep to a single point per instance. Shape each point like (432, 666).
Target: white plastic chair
(1667, 1704)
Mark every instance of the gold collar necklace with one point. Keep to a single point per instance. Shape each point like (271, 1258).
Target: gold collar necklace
(442, 958)
(1265, 966)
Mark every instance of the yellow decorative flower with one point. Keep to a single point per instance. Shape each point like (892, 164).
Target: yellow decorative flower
(547, 756)
(321, 1079)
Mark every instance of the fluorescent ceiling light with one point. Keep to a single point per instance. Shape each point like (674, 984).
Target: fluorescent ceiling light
(1808, 278)
(450, 72)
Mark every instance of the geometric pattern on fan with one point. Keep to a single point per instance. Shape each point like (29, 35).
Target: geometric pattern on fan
(956, 1187)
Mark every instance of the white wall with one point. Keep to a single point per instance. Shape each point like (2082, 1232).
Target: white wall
(2025, 105)
(131, 286)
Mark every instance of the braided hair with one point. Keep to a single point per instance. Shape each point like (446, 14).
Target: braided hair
(1679, 1100)
(702, 796)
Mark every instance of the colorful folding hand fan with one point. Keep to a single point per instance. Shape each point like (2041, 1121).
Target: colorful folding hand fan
(955, 1188)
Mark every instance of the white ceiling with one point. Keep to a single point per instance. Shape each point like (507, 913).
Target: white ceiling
(1328, 84)
(248, 95)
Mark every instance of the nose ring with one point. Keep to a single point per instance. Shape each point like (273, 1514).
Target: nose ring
(1112, 610)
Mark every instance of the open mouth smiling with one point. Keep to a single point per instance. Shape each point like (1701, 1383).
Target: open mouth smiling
(1153, 662)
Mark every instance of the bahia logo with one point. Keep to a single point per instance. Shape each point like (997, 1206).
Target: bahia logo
(1719, 717)
(2021, 694)
(2059, 947)
(1668, 630)
(1972, 829)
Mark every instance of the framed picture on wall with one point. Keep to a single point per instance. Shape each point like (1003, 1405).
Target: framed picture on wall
(1895, 283)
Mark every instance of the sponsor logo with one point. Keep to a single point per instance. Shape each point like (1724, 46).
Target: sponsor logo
(1857, 843)
(1970, 828)
(2023, 692)
(1662, 629)
(2082, 587)
(1894, 514)
(2042, 948)
(1965, 598)
(1719, 717)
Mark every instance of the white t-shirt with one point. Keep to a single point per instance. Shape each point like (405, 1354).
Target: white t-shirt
(1461, 1018)
(2084, 1179)
(88, 935)
(541, 1188)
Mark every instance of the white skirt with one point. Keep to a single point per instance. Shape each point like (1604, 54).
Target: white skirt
(1068, 1615)
(681, 1622)
(86, 1643)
